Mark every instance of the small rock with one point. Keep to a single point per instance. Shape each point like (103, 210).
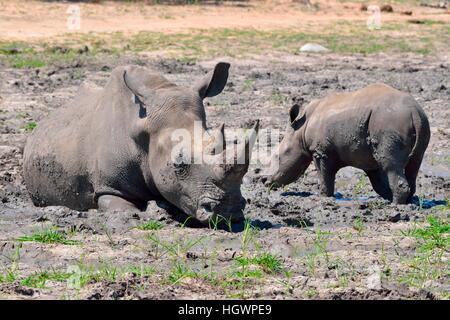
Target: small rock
(191, 255)
(59, 49)
(85, 49)
(395, 217)
(386, 8)
(24, 291)
(12, 51)
(313, 47)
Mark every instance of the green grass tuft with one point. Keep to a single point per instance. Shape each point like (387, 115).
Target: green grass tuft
(39, 279)
(30, 126)
(433, 236)
(150, 225)
(268, 262)
(8, 277)
(429, 263)
(180, 272)
(48, 236)
(27, 62)
(358, 225)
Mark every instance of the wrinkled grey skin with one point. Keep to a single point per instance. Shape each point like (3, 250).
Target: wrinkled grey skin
(111, 149)
(377, 129)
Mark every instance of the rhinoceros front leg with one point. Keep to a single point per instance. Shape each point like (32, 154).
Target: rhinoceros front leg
(111, 203)
(327, 170)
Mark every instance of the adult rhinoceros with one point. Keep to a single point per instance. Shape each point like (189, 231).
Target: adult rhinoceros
(112, 149)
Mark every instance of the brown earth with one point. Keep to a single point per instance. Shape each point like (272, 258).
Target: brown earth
(26, 20)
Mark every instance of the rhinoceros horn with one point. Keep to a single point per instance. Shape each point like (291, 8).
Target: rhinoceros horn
(240, 160)
(217, 142)
(244, 150)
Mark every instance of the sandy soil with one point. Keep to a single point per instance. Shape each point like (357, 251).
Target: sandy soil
(25, 20)
(351, 247)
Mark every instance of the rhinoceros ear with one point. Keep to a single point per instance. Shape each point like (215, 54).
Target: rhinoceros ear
(213, 83)
(294, 113)
(138, 80)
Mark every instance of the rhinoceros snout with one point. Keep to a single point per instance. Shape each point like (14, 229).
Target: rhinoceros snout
(272, 183)
(229, 211)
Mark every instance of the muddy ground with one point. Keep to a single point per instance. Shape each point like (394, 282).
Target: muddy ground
(353, 246)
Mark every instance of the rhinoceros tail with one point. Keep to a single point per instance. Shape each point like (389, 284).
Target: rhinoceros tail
(422, 134)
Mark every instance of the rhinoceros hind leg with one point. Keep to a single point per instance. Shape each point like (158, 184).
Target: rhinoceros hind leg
(380, 183)
(112, 203)
(411, 171)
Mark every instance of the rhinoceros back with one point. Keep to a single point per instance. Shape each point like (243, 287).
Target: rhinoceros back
(55, 164)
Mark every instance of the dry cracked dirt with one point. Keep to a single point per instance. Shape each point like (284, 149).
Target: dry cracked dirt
(296, 245)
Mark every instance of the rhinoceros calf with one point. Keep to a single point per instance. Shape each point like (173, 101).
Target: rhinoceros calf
(111, 149)
(377, 129)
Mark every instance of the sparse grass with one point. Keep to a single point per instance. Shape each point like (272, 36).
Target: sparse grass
(436, 235)
(30, 126)
(106, 271)
(246, 273)
(321, 243)
(27, 62)
(78, 276)
(83, 274)
(9, 276)
(311, 262)
(318, 252)
(359, 187)
(248, 236)
(219, 222)
(386, 270)
(10, 273)
(40, 279)
(430, 261)
(151, 225)
(175, 249)
(311, 293)
(277, 98)
(248, 84)
(358, 225)
(428, 37)
(444, 207)
(180, 272)
(343, 271)
(142, 270)
(268, 262)
(48, 236)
